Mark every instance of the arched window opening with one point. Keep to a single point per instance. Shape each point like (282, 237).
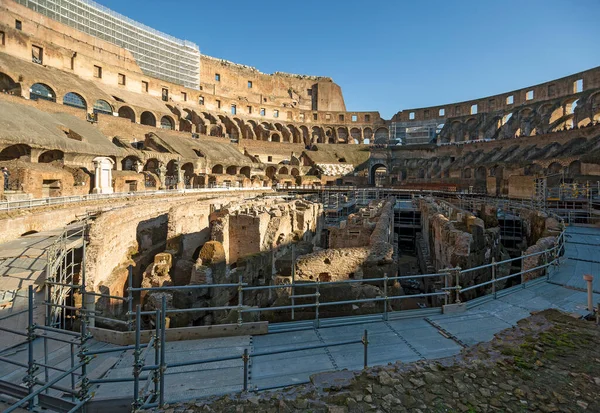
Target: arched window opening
(42, 91)
(102, 106)
(74, 100)
(8, 85)
(51, 156)
(245, 171)
(127, 113)
(15, 152)
(148, 118)
(166, 123)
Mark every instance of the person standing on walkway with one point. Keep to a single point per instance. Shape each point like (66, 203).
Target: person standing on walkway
(6, 174)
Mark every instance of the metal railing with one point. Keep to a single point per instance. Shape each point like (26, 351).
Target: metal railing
(148, 390)
(63, 200)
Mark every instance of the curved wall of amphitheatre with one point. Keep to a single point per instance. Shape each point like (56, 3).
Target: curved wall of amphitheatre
(239, 144)
(284, 97)
(571, 101)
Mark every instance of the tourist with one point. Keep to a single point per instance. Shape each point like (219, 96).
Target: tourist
(6, 174)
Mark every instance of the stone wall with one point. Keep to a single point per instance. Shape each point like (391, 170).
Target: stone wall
(134, 234)
(369, 255)
(458, 239)
(251, 240)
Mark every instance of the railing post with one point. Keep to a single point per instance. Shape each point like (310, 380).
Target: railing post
(446, 285)
(522, 271)
(136, 361)
(494, 277)
(317, 295)
(365, 341)
(457, 283)
(385, 293)
(48, 287)
(245, 358)
(31, 368)
(46, 377)
(129, 297)
(85, 384)
(163, 344)
(293, 279)
(72, 374)
(240, 301)
(157, 346)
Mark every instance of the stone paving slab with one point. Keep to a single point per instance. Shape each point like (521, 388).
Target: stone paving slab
(582, 243)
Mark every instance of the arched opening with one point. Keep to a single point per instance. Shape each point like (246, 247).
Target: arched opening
(480, 173)
(555, 168)
(231, 170)
(42, 91)
(471, 126)
(130, 163)
(305, 135)
(151, 165)
(217, 169)
(317, 135)
(51, 156)
(574, 169)
(382, 135)
(102, 106)
(467, 173)
(421, 173)
(8, 85)
(295, 134)
(147, 118)
(283, 171)
(367, 135)
(188, 174)
(294, 172)
(245, 171)
(15, 152)
(215, 130)
(74, 100)
(330, 135)
(455, 131)
(342, 135)
(127, 113)
(172, 175)
(275, 137)
(355, 134)
(167, 123)
(378, 175)
(270, 172)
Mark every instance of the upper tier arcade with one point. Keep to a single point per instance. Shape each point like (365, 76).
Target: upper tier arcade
(571, 101)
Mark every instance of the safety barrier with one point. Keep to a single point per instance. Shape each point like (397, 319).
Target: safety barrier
(64, 200)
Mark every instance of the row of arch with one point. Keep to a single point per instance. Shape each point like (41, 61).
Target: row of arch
(220, 125)
(237, 128)
(472, 164)
(546, 117)
(73, 99)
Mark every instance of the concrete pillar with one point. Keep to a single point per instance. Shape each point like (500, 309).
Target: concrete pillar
(103, 175)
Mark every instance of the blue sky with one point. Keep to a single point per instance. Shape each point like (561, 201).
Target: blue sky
(389, 55)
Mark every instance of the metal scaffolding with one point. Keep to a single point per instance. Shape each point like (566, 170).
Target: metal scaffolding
(158, 54)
